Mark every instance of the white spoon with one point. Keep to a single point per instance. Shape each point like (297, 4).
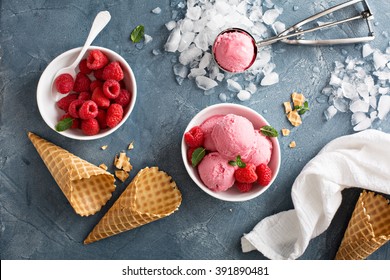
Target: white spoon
(98, 24)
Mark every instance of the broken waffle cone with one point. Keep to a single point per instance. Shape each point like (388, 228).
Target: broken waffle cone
(150, 196)
(294, 118)
(297, 98)
(86, 186)
(368, 229)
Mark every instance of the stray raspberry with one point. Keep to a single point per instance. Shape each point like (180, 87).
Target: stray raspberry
(84, 68)
(194, 137)
(85, 95)
(94, 84)
(114, 115)
(96, 60)
(90, 127)
(244, 187)
(74, 107)
(101, 118)
(123, 98)
(264, 174)
(113, 71)
(247, 174)
(98, 74)
(76, 122)
(64, 83)
(64, 102)
(81, 83)
(88, 110)
(111, 89)
(100, 99)
(190, 151)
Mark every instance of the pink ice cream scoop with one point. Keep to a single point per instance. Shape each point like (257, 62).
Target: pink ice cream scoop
(262, 150)
(234, 50)
(207, 127)
(233, 135)
(215, 172)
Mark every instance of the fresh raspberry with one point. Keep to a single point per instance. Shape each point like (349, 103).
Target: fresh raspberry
(84, 68)
(76, 122)
(101, 118)
(81, 83)
(264, 174)
(64, 83)
(190, 151)
(88, 110)
(100, 99)
(74, 107)
(123, 98)
(247, 174)
(111, 89)
(64, 102)
(113, 71)
(96, 60)
(244, 187)
(98, 74)
(85, 95)
(94, 84)
(114, 115)
(90, 127)
(194, 137)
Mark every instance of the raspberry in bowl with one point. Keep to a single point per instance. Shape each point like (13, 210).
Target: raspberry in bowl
(96, 103)
(229, 153)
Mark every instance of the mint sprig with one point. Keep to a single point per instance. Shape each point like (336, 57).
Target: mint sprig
(269, 131)
(238, 162)
(302, 109)
(197, 156)
(64, 124)
(137, 34)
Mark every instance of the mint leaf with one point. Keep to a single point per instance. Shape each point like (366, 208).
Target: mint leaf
(269, 131)
(64, 124)
(137, 34)
(238, 162)
(304, 108)
(197, 156)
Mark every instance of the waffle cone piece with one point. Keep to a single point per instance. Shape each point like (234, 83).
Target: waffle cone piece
(86, 186)
(150, 196)
(368, 229)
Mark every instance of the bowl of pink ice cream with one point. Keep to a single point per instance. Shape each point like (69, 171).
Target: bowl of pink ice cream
(221, 136)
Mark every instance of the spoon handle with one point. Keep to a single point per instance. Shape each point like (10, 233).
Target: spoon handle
(101, 20)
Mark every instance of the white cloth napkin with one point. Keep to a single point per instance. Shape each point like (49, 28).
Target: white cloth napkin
(360, 160)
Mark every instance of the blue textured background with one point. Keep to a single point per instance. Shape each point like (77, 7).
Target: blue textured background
(36, 220)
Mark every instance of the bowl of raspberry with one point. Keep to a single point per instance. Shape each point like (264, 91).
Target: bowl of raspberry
(231, 152)
(93, 104)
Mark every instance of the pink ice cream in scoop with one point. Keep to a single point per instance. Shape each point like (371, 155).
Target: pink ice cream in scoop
(234, 51)
(207, 127)
(262, 150)
(233, 135)
(215, 172)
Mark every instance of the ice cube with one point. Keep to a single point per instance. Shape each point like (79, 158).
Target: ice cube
(359, 106)
(186, 39)
(251, 88)
(244, 95)
(367, 50)
(156, 52)
(173, 41)
(340, 104)
(194, 12)
(205, 60)
(372, 101)
(148, 38)
(380, 60)
(156, 10)
(270, 16)
(382, 75)
(222, 96)
(334, 80)
(349, 91)
(201, 41)
(330, 112)
(383, 90)
(270, 79)
(222, 7)
(186, 25)
(358, 117)
(220, 76)
(180, 70)
(195, 72)
(383, 106)
(233, 85)
(278, 27)
(364, 124)
(189, 54)
(170, 25)
(205, 83)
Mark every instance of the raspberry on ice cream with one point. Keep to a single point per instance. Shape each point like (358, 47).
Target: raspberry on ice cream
(216, 173)
(233, 135)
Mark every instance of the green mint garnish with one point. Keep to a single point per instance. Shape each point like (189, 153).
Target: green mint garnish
(197, 156)
(64, 124)
(269, 131)
(302, 109)
(137, 34)
(238, 162)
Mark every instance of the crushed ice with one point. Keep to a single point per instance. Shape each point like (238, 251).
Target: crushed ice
(360, 86)
(193, 29)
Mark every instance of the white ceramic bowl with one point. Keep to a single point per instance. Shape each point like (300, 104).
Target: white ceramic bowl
(47, 103)
(232, 194)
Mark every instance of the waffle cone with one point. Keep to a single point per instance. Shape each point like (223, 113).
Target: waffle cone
(150, 196)
(368, 229)
(86, 186)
